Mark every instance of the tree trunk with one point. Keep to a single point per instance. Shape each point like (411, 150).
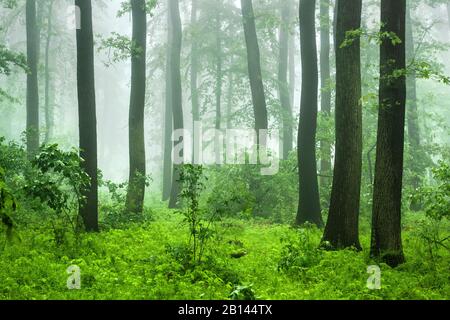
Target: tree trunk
(48, 108)
(87, 113)
(230, 100)
(194, 74)
(175, 84)
(168, 118)
(254, 66)
(283, 86)
(218, 90)
(292, 78)
(325, 90)
(341, 230)
(386, 241)
(412, 112)
(136, 187)
(309, 206)
(32, 79)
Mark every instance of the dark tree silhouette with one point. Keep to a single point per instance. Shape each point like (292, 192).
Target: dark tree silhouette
(386, 241)
(309, 206)
(87, 112)
(341, 230)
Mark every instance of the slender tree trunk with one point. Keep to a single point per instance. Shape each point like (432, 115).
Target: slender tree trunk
(230, 100)
(136, 188)
(341, 230)
(194, 74)
(283, 86)
(32, 79)
(309, 205)
(48, 107)
(448, 12)
(292, 76)
(87, 113)
(254, 66)
(325, 90)
(175, 84)
(168, 118)
(386, 241)
(412, 112)
(218, 90)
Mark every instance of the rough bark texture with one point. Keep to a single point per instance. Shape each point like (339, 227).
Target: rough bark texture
(386, 241)
(168, 120)
(325, 90)
(87, 113)
(175, 84)
(309, 206)
(136, 187)
(254, 66)
(283, 85)
(32, 79)
(341, 230)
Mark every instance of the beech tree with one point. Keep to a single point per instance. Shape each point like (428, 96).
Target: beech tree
(341, 230)
(386, 241)
(87, 113)
(137, 177)
(309, 205)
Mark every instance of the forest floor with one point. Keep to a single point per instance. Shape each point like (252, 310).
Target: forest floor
(251, 259)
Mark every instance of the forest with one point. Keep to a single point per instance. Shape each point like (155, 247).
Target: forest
(224, 150)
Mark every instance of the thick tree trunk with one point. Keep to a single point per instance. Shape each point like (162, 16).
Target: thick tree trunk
(168, 118)
(175, 84)
(341, 230)
(325, 90)
(87, 113)
(386, 241)
(136, 187)
(48, 108)
(309, 205)
(283, 86)
(32, 79)
(254, 66)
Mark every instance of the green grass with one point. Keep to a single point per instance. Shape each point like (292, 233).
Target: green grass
(146, 262)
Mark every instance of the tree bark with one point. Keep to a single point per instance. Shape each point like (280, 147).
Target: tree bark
(87, 113)
(341, 230)
(175, 84)
(48, 108)
(32, 79)
(283, 86)
(386, 241)
(254, 66)
(309, 205)
(168, 118)
(325, 90)
(194, 75)
(136, 187)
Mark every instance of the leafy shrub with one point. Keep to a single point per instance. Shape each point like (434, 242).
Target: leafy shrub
(300, 253)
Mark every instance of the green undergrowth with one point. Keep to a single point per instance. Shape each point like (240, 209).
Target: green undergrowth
(253, 259)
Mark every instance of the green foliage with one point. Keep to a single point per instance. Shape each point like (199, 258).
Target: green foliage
(300, 253)
(119, 48)
(8, 205)
(241, 191)
(191, 178)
